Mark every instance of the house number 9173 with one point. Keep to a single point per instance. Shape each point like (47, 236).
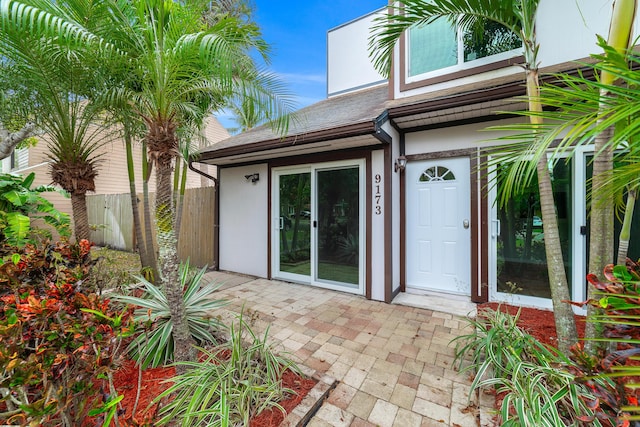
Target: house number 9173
(378, 195)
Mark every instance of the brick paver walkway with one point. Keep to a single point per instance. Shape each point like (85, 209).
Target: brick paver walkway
(393, 363)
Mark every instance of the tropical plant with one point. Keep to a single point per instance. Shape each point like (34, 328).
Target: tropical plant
(235, 380)
(19, 204)
(57, 83)
(618, 297)
(538, 382)
(48, 376)
(471, 16)
(178, 68)
(154, 344)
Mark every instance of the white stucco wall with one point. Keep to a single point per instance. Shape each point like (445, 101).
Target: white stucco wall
(348, 63)
(395, 211)
(377, 226)
(566, 31)
(243, 220)
(454, 138)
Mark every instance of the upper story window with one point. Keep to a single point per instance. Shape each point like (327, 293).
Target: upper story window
(439, 48)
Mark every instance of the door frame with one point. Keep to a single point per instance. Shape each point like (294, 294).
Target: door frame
(274, 213)
(577, 276)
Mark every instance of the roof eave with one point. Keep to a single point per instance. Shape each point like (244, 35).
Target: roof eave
(356, 129)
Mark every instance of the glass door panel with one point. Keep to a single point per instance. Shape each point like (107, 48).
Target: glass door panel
(294, 223)
(522, 262)
(338, 225)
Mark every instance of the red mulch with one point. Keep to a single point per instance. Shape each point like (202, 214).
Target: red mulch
(153, 383)
(273, 417)
(536, 322)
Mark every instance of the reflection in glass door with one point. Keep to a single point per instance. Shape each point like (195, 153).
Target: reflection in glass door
(294, 197)
(521, 258)
(338, 225)
(318, 225)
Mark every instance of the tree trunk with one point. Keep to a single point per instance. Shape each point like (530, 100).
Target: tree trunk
(183, 344)
(80, 217)
(565, 322)
(146, 205)
(9, 140)
(625, 233)
(180, 199)
(601, 233)
(147, 256)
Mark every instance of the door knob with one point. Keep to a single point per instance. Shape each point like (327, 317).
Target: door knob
(465, 223)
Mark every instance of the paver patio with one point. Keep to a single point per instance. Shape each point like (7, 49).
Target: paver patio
(393, 363)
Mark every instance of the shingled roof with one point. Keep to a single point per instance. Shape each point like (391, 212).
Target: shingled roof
(350, 118)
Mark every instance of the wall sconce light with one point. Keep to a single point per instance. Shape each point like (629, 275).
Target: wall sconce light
(400, 164)
(253, 177)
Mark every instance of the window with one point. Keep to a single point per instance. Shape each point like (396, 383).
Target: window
(438, 46)
(437, 173)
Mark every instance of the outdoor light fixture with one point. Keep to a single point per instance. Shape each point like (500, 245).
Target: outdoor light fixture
(400, 164)
(253, 177)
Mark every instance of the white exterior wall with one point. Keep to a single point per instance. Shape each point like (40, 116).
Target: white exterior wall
(454, 138)
(395, 211)
(243, 220)
(348, 64)
(566, 31)
(377, 226)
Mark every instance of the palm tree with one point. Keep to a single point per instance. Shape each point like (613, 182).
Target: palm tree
(188, 72)
(471, 16)
(603, 112)
(179, 69)
(56, 82)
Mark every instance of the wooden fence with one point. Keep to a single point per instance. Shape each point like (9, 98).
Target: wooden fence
(112, 223)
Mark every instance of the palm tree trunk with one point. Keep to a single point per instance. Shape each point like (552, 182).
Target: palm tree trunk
(169, 263)
(80, 217)
(559, 287)
(179, 208)
(601, 233)
(625, 233)
(146, 205)
(147, 259)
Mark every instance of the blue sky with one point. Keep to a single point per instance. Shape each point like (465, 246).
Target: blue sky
(297, 33)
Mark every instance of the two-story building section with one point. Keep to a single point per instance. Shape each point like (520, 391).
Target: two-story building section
(379, 190)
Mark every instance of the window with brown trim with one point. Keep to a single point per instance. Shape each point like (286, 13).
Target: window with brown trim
(438, 48)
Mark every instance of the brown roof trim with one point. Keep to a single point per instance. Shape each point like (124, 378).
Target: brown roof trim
(356, 129)
(452, 101)
(515, 88)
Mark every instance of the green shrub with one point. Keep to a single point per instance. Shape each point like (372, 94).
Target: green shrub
(19, 203)
(231, 383)
(153, 344)
(618, 299)
(538, 382)
(56, 341)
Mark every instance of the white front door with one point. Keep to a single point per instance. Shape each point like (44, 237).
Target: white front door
(438, 229)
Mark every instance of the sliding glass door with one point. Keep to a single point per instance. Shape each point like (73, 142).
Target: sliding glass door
(318, 224)
(293, 224)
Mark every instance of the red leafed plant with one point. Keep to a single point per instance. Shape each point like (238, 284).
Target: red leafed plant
(619, 360)
(56, 340)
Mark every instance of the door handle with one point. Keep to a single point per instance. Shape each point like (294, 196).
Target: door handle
(496, 229)
(281, 225)
(465, 223)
